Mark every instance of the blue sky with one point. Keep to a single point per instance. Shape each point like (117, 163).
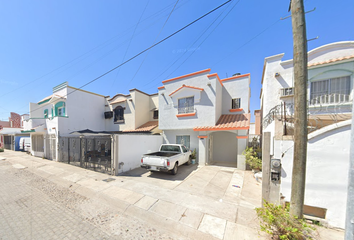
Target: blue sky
(45, 43)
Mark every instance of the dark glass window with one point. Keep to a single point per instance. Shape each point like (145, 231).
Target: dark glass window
(119, 114)
(236, 103)
(156, 114)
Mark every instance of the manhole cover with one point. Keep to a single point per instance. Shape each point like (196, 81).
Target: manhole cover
(109, 179)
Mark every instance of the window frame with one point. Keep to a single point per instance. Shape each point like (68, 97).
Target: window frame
(233, 104)
(45, 113)
(190, 109)
(115, 120)
(155, 114)
(327, 94)
(182, 137)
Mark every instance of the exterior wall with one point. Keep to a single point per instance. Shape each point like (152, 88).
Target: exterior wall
(236, 88)
(326, 173)
(258, 119)
(219, 100)
(132, 147)
(142, 109)
(225, 147)
(169, 137)
(205, 109)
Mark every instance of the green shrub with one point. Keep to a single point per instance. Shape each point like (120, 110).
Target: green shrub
(277, 221)
(1, 149)
(194, 154)
(253, 157)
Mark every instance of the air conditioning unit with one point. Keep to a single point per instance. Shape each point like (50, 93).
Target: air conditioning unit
(108, 115)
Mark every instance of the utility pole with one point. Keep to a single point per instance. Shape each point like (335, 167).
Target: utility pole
(300, 113)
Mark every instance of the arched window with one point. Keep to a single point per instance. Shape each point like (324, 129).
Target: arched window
(119, 114)
(60, 109)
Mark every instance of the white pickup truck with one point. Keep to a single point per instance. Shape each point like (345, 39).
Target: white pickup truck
(168, 158)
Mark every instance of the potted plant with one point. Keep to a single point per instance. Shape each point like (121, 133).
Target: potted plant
(194, 156)
(253, 158)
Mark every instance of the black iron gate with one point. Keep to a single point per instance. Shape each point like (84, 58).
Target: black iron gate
(92, 153)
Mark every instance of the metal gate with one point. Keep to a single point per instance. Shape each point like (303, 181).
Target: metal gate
(8, 142)
(51, 146)
(92, 153)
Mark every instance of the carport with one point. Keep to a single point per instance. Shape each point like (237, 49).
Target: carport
(224, 143)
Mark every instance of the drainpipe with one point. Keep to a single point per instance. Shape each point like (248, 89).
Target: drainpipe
(349, 224)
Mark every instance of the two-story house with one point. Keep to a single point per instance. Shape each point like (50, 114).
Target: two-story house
(208, 114)
(136, 112)
(330, 98)
(67, 110)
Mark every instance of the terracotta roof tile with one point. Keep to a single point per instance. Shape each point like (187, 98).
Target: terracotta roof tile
(331, 60)
(229, 122)
(147, 127)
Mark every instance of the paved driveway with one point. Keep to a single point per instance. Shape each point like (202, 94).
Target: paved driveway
(198, 203)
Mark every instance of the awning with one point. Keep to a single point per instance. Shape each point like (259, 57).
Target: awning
(88, 132)
(229, 122)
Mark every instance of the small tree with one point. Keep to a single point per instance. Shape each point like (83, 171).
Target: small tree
(253, 157)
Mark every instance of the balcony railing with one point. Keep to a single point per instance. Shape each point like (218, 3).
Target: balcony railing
(186, 110)
(334, 98)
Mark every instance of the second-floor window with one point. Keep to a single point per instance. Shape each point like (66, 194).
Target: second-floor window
(45, 113)
(118, 114)
(156, 114)
(236, 103)
(186, 105)
(334, 90)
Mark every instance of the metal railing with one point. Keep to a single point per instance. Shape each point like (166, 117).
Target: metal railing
(186, 110)
(330, 99)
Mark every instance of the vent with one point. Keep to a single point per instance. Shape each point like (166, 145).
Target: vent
(108, 115)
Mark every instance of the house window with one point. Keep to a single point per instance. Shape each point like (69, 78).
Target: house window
(156, 114)
(236, 103)
(60, 109)
(334, 90)
(287, 91)
(186, 105)
(119, 115)
(184, 140)
(45, 113)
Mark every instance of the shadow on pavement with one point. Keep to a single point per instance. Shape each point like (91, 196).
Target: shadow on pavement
(183, 172)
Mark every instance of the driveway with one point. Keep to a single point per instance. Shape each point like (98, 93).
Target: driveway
(208, 202)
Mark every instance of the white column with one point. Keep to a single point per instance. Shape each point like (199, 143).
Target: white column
(202, 155)
(241, 159)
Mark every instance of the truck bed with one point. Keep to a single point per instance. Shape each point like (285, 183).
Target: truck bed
(162, 154)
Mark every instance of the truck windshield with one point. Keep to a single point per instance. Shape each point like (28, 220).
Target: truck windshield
(170, 148)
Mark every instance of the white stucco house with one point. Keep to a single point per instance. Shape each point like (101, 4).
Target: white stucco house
(330, 97)
(136, 112)
(208, 114)
(67, 110)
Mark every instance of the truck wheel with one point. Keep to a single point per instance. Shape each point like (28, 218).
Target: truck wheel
(174, 170)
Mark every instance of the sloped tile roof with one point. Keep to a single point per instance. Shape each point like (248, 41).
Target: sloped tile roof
(146, 127)
(229, 122)
(331, 60)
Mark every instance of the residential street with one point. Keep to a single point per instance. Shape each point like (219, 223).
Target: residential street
(43, 199)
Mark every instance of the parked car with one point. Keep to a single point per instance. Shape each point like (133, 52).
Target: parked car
(168, 158)
(25, 144)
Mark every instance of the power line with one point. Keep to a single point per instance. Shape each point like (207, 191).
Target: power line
(130, 41)
(153, 42)
(88, 53)
(191, 45)
(147, 49)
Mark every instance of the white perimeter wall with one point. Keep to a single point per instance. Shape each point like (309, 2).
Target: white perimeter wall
(132, 147)
(326, 174)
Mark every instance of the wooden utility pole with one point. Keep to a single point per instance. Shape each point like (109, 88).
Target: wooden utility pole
(300, 114)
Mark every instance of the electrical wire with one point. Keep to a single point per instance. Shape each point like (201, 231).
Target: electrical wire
(152, 46)
(136, 72)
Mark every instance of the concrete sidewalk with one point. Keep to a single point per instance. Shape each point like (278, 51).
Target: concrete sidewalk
(198, 203)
